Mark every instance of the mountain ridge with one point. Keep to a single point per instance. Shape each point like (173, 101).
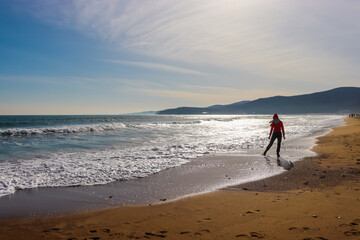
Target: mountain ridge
(337, 100)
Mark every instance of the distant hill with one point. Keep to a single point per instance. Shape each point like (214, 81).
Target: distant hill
(143, 113)
(338, 100)
(233, 104)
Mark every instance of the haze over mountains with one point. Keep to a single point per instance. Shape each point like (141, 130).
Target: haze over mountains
(338, 100)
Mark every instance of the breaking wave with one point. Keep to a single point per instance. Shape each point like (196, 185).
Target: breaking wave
(61, 129)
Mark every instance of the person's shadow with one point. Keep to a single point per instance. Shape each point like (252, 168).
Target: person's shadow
(281, 162)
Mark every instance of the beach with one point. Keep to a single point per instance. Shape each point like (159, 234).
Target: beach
(318, 198)
(179, 120)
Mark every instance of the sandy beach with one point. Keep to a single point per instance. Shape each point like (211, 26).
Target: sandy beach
(318, 198)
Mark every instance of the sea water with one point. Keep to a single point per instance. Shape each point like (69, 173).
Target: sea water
(49, 151)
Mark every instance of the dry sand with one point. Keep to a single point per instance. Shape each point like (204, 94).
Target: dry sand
(318, 199)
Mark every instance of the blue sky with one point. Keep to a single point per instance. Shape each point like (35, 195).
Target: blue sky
(110, 57)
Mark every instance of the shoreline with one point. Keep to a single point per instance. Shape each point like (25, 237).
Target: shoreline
(96, 166)
(318, 200)
(200, 175)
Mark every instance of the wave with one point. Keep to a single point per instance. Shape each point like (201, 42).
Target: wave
(69, 129)
(60, 169)
(102, 127)
(18, 128)
(86, 128)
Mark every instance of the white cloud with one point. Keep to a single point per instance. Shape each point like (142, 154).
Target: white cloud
(193, 96)
(158, 66)
(206, 95)
(286, 40)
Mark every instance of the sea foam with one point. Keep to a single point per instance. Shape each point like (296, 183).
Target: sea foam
(146, 147)
(61, 129)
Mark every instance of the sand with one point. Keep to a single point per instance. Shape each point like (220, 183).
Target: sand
(318, 199)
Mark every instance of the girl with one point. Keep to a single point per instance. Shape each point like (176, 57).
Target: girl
(276, 126)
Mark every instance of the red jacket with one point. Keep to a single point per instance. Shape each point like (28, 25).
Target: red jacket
(277, 127)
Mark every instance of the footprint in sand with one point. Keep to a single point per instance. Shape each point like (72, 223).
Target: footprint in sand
(352, 232)
(305, 229)
(242, 235)
(184, 232)
(147, 234)
(256, 235)
(354, 223)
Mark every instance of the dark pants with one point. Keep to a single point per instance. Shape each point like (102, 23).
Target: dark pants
(278, 136)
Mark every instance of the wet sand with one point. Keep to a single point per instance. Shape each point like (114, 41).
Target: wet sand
(201, 175)
(319, 198)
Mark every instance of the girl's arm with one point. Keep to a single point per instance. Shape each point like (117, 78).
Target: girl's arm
(283, 130)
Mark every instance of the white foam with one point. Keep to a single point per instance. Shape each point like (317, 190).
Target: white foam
(62, 129)
(171, 147)
(87, 168)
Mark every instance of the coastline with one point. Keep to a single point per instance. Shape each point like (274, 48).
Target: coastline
(199, 175)
(317, 199)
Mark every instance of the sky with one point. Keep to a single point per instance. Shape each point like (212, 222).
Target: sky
(122, 56)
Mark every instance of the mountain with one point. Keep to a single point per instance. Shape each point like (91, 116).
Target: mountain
(338, 100)
(233, 104)
(143, 113)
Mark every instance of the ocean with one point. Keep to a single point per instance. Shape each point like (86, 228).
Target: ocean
(53, 151)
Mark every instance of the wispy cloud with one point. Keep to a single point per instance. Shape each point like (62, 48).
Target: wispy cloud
(276, 38)
(158, 66)
(284, 40)
(206, 95)
(199, 98)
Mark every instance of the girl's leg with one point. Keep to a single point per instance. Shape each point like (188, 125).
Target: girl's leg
(273, 137)
(278, 145)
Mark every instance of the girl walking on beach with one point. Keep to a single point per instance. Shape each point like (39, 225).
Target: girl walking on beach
(276, 128)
